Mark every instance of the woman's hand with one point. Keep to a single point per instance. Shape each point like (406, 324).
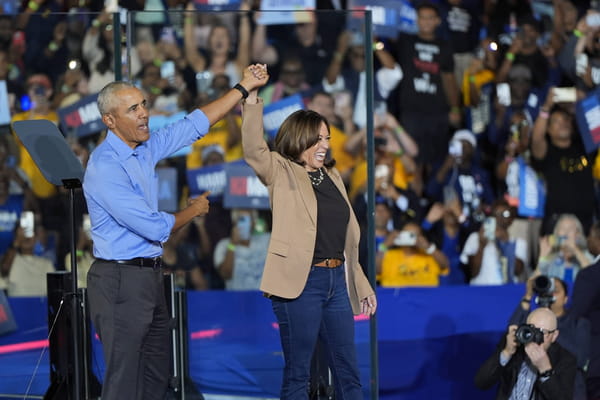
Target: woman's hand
(369, 305)
(255, 76)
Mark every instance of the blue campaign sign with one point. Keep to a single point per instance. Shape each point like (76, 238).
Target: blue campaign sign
(167, 189)
(279, 12)
(386, 16)
(210, 178)
(275, 113)
(217, 5)
(407, 18)
(81, 118)
(244, 189)
(587, 114)
(7, 320)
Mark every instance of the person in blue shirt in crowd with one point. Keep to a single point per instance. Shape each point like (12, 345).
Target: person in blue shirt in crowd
(125, 283)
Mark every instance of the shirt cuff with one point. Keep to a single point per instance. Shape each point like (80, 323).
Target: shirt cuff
(170, 222)
(503, 360)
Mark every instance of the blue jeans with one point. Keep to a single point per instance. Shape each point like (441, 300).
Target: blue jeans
(322, 310)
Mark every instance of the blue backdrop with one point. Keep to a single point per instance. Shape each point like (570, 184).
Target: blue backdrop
(431, 342)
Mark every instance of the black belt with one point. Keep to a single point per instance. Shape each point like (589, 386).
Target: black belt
(147, 262)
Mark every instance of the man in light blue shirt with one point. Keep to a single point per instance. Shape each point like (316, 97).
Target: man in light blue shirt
(125, 283)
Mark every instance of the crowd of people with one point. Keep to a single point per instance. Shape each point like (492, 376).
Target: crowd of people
(477, 149)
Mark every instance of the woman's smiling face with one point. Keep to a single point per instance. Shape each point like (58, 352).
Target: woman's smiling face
(314, 156)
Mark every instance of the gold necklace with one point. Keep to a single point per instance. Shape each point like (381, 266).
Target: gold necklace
(316, 181)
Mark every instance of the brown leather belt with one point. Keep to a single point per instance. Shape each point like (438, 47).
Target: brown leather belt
(329, 263)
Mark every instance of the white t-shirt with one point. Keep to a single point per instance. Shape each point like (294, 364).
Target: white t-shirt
(249, 262)
(491, 266)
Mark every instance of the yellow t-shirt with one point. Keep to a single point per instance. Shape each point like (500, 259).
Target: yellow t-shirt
(596, 167)
(480, 78)
(343, 160)
(399, 269)
(217, 134)
(39, 185)
(358, 179)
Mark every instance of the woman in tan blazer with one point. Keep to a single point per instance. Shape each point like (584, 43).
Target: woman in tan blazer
(311, 274)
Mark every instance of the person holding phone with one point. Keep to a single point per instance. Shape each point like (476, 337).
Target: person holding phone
(492, 255)
(125, 283)
(240, 257)
(558, 153)
(25, 265)
(311, 274)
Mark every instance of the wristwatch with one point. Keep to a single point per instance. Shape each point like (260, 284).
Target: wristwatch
(547, 374)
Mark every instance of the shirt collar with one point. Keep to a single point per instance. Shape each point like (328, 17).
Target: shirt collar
(120, 147)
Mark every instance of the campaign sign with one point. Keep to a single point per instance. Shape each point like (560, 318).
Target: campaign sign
(210, 178)
(4, 107)
(587, 113)
(7, 320)
(217, 5)
(81, 118)
(275, 113)
(244, 189)
(385, 15)
(407, 18)
(281, 12)
(167, 189)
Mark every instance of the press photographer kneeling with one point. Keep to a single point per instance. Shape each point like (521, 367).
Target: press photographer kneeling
(529, 363)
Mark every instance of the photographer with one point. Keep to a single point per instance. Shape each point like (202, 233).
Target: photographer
(574, 333)
(528, 362)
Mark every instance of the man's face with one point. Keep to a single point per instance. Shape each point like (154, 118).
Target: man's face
(128, 118)
(593, 241)
(547, 326)
(529, 35)
(324, 106)
(560, 297)
(292, 74)
(427, 21)
(306, 33)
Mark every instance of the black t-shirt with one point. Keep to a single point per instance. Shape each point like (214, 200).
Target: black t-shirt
(538, 64)
(333, 215)
(423, 62)
(569, 181)
(462, 25)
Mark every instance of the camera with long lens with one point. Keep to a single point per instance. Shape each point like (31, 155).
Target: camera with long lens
(543, 287)
(527, 333)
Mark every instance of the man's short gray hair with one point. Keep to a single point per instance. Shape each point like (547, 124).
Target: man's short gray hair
(106, 95)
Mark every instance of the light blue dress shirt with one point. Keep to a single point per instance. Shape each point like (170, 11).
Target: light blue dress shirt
(121, 189)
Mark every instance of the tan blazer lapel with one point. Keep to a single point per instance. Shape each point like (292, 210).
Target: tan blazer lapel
(307, 192)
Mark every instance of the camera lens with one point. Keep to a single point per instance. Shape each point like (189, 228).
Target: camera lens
(528, 333)
(543, 285)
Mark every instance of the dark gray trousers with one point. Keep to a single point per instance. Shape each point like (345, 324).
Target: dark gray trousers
(129, 312)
